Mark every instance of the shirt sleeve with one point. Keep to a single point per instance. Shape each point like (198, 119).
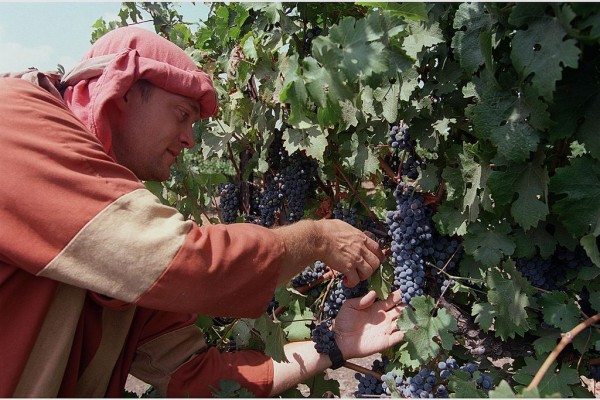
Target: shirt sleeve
(93, 224)
(173, 357)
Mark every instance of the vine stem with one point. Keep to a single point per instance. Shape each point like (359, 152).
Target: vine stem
(355, 193)
(363, 370)
(232, 158)
(566, 339)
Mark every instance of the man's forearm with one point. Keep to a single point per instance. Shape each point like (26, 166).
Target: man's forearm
(304, 362)
(302, 242)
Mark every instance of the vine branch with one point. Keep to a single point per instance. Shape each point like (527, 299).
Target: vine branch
(566, 339)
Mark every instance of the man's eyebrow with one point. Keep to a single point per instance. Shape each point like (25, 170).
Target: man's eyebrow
(194, 106)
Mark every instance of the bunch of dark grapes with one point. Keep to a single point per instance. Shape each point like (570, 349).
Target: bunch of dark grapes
(272, 306)
(410, 228)
(276, 153)
(309, 37)
(431, 383)
(369, 385)
(399, 141)
(297, 184)
(270, 201)
(348, 215)
(393, 161)
(584, 302)
(340, 293)
(323, 337)
(310, 274)
(595, 372)
(229, 202)
(447, 253)
(551, 273)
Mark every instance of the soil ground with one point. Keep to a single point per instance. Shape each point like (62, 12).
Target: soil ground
(344, 376)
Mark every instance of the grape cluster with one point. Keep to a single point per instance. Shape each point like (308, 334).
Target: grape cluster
(298, 181)
(229, 202)
(393, 161)
(431, 383)
(340, 293)
(347, 215)
(310, 274)
(323, 337)
(399, 140)
(447, 253)
(369, 385)
(595, 372)
(270, 201)
(551, 273)
(308, 38)
(410, 228)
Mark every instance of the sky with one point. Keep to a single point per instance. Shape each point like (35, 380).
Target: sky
(44, 34)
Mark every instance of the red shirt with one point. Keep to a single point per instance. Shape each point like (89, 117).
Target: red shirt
(99, 280)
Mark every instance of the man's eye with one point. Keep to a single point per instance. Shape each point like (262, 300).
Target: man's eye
(184, 115)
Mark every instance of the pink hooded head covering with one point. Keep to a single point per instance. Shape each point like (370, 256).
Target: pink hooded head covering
(120, 58)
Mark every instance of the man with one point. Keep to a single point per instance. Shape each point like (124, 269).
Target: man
(99, 280)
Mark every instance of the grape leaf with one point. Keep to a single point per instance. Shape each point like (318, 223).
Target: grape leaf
(359, 57)
(414, 11)
(540, 50)
(215, 139)
(530, 182)
(468, 44)
(421, 328)
(509, 296)
(421, 36)
(588, 242)
(559, 310)
(501, 391)
(553, 383)
(295, 93)
(588, 131)
(294, 321)
(311, 140)
(546, 342)
(231, 389)
(362, 159)
(489, 244)
(534, 241)
(475, 175)
(319, 386)
(273, 337)
(484, 315)
(462, 387)
(579, 210)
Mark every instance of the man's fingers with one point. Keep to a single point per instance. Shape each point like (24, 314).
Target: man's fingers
(367, 300)
(393, 299)
(351, 278)
(373, 247)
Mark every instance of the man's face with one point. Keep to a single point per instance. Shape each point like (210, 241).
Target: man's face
(150, 132)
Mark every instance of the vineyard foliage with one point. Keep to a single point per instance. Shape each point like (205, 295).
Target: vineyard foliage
(502, 103)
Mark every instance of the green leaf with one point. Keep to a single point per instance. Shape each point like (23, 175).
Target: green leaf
(462, 387)
(509, 296)
(589, 244)
(559, 310)
(421, 328)
(475, 175)
(319, 386)
(502, 391)
(588, 131)
(553, 383)
(362, 160)
(412, 11)
(450, 221)
(215, 139)
(489, 244)
(421, 36)
(546, 342)
(468, 43)
(484, 315)
(273, 337)
(579, 209)
(540, 50)
(358, 56)
(295, 321)
(311, 140)
(230, 389)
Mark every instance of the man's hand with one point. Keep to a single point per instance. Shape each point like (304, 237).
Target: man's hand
(339, 245)
(365, 326)
(348, 250)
